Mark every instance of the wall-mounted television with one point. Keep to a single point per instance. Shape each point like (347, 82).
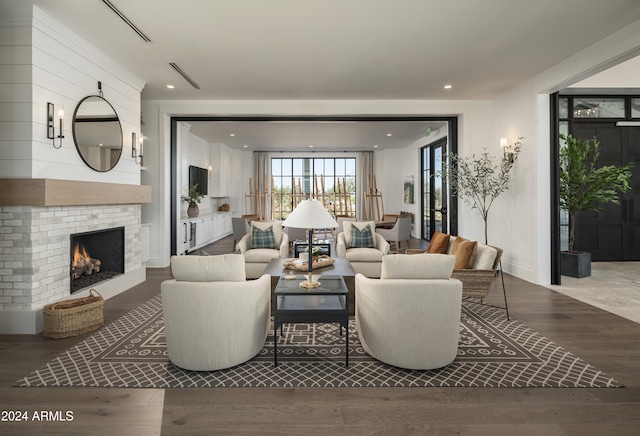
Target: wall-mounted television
(199, 176)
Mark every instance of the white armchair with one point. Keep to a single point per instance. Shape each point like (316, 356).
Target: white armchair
(410, 317)
(213, 317)
(365, 258)
(264, 242)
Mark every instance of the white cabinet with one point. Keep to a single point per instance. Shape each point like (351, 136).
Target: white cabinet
(184, 237)
(197, 232)
(217, 226)
(227, 227)
(205, 231)
(220, 183)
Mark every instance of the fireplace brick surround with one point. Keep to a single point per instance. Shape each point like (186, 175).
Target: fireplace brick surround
(35, 255)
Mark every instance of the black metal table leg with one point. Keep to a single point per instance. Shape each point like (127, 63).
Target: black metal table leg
(346, 328)
(275, 344)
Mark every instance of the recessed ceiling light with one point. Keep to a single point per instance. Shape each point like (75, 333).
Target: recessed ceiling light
(311, 146)
(448, 86)
(375, 146)
(232, 134)
(388, 134)
(245, 146)
(170, 86)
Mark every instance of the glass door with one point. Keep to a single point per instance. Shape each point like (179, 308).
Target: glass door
(434, 190)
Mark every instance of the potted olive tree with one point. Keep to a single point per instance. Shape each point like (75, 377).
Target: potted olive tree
(192, 198)
(479, 180)
(585, 186)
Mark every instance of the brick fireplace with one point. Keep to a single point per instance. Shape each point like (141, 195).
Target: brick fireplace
(35, 250)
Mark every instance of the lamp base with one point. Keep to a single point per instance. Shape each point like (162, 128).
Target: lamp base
(310, 284)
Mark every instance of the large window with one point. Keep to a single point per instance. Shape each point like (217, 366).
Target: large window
(330, 180)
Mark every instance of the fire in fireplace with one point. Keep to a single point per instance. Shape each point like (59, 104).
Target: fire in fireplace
(96, 256)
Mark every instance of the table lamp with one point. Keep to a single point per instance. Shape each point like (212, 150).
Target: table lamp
(310, 214)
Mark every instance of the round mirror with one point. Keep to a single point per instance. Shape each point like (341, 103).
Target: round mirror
(97, 133)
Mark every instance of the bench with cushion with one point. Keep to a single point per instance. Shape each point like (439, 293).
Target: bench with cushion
(476, 264)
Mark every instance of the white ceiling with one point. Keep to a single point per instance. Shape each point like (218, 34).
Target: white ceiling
(341, 49)
(316, 136)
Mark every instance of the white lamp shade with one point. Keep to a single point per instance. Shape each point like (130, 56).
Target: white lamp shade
(310, 214)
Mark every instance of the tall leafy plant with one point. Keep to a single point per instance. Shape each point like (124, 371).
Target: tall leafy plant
(585, 186)
(480, 180)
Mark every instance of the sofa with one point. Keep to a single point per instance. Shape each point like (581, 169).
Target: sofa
(214, 318)
(476, 264)
(362, 247)
(410, 317)
(265, 241)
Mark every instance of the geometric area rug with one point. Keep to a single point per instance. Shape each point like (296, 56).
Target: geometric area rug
(493, 352)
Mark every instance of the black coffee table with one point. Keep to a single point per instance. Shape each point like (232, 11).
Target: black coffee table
(341, 267)
(327, 303)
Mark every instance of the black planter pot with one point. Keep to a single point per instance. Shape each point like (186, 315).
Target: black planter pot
(575, 264)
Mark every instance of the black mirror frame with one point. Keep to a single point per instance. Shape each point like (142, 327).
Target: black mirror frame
(75, 139)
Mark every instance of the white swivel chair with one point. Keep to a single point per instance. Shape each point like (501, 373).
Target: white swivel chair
(410, 317)
(213, 317)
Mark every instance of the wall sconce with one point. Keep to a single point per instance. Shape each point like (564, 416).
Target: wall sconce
(51, 128)
(510, 150)
(137, 153)
(210, 171)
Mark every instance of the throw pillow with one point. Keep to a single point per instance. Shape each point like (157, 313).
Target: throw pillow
(439, 243)
(263, 238)
(347, 226)
(361, 238)
(464, 251)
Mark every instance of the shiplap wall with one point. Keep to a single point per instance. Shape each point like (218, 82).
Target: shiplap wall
(15, 99)
(45, 62)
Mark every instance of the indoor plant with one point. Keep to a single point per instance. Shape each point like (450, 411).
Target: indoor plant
(192, 198)
(478, 180)
(585, 186)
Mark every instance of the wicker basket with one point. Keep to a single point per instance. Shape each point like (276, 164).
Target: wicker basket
(73, 317)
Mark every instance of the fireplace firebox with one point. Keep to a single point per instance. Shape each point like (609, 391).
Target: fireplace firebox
(96, 256)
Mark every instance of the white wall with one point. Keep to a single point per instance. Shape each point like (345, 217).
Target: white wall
(393, 166)
(45, 62)
(521, 219)
(15, 94)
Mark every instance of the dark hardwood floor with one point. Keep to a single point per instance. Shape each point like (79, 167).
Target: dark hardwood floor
(607, 341)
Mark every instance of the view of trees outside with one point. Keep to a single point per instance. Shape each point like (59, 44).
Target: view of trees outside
(302, 174)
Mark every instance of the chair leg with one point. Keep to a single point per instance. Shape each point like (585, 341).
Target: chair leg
(504, 291)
